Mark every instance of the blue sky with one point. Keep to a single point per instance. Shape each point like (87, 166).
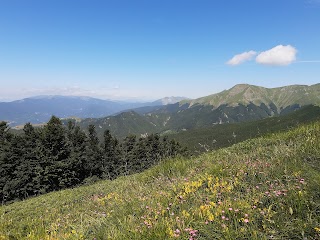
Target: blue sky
(148, 49)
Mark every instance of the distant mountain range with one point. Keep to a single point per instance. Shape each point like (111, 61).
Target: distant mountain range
(241, 103)
(39, 109)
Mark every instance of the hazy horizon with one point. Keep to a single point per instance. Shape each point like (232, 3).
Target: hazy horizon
(125, 99)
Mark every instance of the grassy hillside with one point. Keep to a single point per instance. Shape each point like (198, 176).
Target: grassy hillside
(211, 138)
(265, 188)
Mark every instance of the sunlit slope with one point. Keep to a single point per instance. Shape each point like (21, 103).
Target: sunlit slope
(279, 98)
(265, 188)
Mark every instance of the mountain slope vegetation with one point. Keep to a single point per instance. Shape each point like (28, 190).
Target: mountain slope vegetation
(224, 135)
(280, 97)
(264, 188)
(239, 104)
(120, 125)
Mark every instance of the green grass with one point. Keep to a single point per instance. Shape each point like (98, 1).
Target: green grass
(264, 188)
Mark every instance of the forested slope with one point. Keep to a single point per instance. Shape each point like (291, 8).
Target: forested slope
(41, 160)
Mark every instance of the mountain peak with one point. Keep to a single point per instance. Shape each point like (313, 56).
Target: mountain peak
(169, 100)
(238, 89)
(245, 94)
(241, 86)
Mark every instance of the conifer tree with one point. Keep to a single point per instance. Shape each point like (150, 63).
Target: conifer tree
(93, 154)
(5, 164)
(128, 155)
(13, 186)
(31, 167)
(56, 153)
(110, 156)
(77, 142)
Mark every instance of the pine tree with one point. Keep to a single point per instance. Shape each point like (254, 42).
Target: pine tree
(6, 167)
(93, 154)
(56, 153)
(110, 159)
(141, 153)
(13, 187)
(31, 167)
(77, 140)
(128, 156)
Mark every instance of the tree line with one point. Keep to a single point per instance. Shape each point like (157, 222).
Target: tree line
(54, 157)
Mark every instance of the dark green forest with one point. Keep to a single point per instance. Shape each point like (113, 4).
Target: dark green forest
(54, 157)
(205, 139)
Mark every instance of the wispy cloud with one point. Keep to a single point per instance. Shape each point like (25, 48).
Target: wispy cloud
(278, 56)
(241, 58)
(113, 93)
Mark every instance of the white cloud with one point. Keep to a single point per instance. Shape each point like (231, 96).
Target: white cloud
(241, 58)
(278, 56)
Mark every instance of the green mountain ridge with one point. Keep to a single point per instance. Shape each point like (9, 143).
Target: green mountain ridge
(241, 103)
(245, 94)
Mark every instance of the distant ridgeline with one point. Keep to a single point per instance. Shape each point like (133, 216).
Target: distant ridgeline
(41, 160)
(242, 103)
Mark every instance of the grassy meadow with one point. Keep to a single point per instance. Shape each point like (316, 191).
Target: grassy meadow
(263, 188)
